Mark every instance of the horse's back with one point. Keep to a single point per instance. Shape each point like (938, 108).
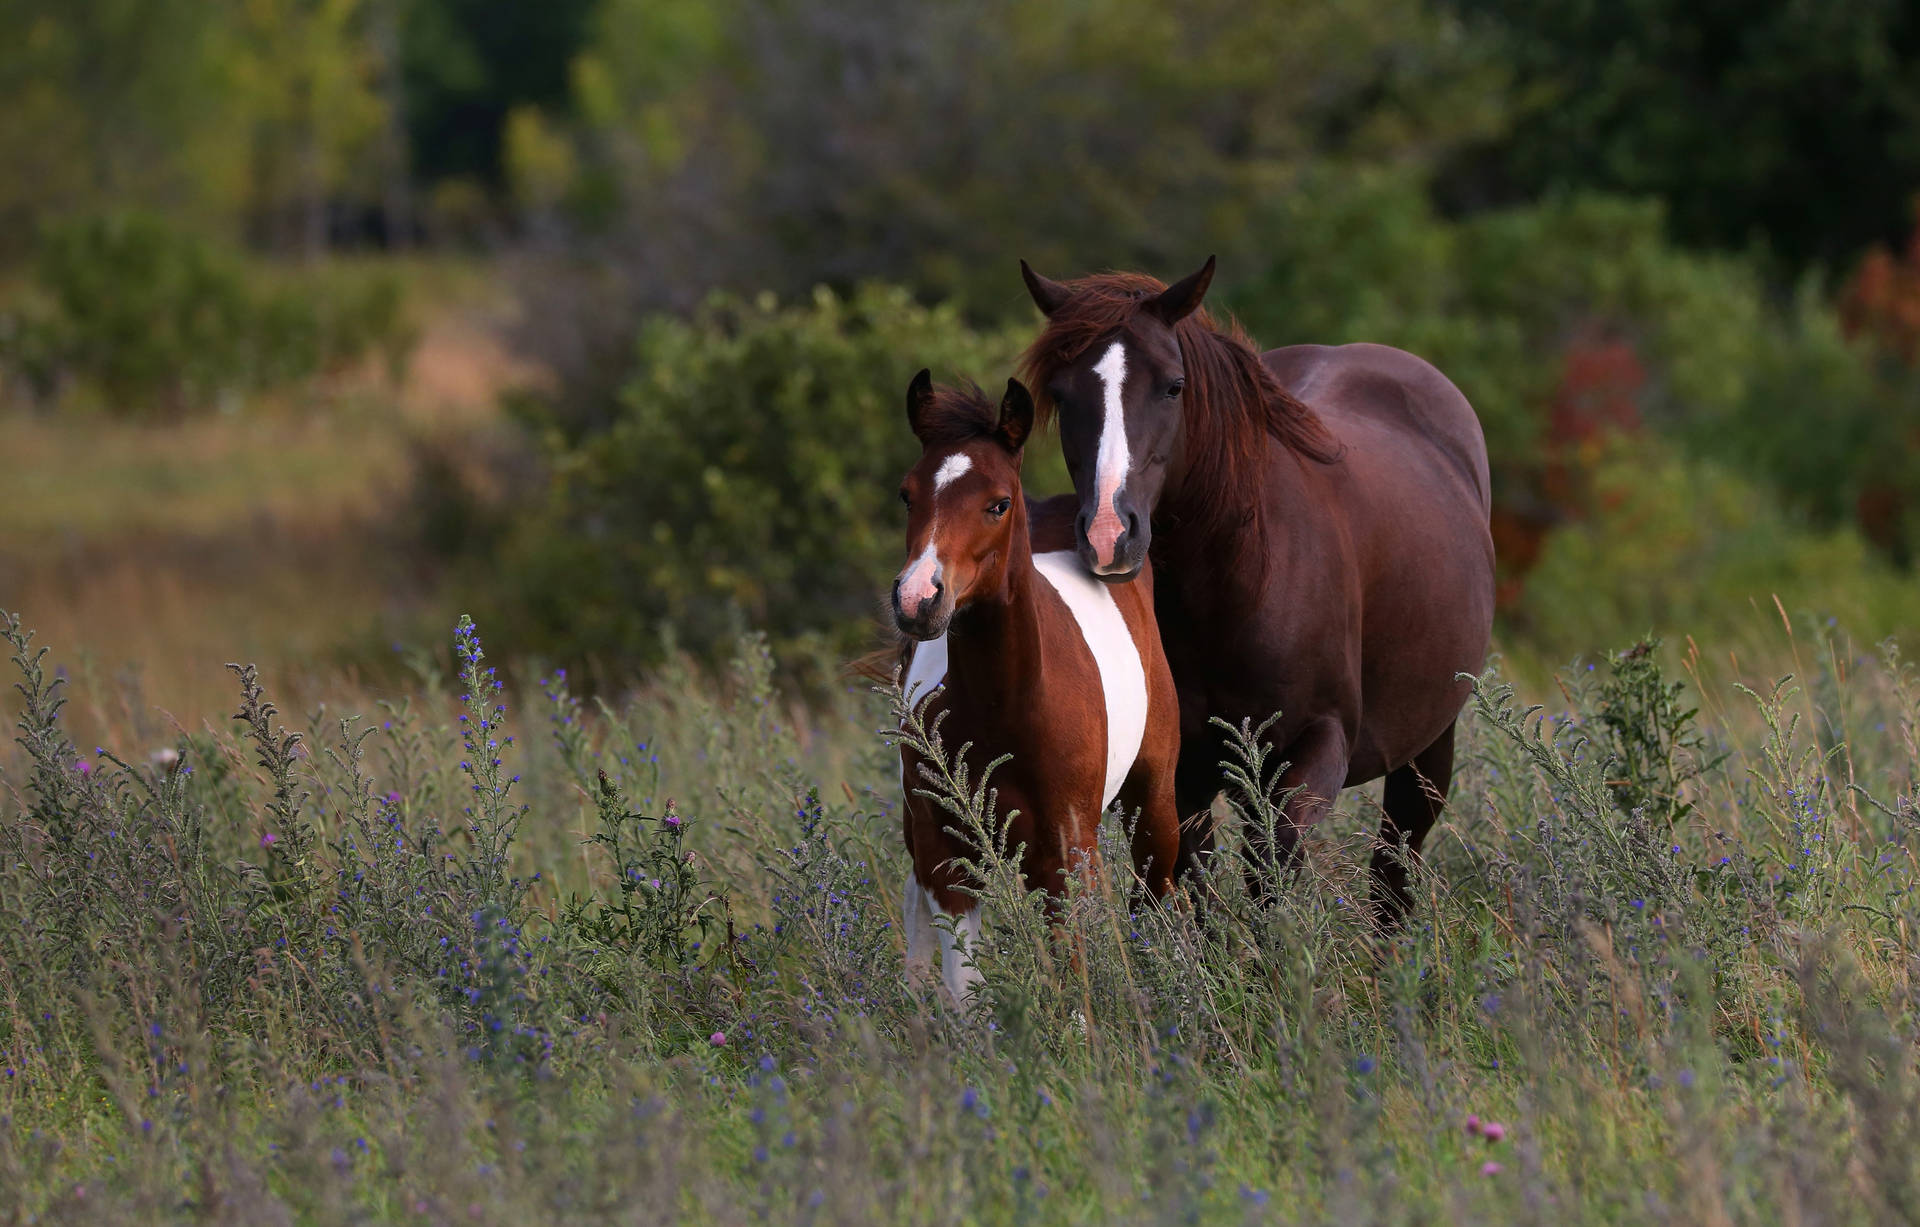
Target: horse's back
(1400, 526)
(1355, 387)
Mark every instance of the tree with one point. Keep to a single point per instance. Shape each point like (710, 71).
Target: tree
(1794, 123)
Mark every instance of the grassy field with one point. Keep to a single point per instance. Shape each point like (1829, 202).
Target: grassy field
(471, 948)
(1661, 972)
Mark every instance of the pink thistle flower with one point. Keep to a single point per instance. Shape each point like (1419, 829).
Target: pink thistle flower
(1489, 1168)
(719, 1039)
(1493, 1131)
(83, 766)
(268, 840)
(1473, 1124)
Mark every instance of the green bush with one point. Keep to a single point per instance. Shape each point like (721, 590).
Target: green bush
(1707, 552)
(143, 317)
(1496, 300)
(748, 477)
(1525, 308)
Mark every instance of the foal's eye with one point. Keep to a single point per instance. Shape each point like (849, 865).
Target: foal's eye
(904, 498)
(999, 507)
(1175, 388)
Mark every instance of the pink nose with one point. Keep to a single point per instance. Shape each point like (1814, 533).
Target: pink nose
(919, 583)
(1104, 536)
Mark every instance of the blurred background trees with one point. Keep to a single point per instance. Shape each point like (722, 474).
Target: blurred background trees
(1662, 245)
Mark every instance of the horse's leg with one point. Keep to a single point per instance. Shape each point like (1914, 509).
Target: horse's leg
(1316, 768)
(1156, 833)
(916, 917)
(1413, 798)
(1196, 782)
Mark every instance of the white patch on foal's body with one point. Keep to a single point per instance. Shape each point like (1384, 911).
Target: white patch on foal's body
(951, 468)
(925, 673)
(927, 669)
(1123, 679)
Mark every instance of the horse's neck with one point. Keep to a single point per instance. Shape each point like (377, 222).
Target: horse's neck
(999, 642)
(1213, 550)
(1191, 511)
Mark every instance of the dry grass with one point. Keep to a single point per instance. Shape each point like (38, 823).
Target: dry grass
(273, 534)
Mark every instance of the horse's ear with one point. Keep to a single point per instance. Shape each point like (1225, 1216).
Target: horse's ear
(1016, 417)
(919, 397)
(1047, 295)
(1182, 298)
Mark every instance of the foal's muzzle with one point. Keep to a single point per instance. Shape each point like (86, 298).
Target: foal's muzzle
(930, 610)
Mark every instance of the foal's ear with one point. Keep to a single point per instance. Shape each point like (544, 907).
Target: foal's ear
(1182, 298)
(1047, 295)
(1016, 417)
(919, 396)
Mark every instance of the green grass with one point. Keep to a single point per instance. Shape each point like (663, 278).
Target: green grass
(1698, 1011)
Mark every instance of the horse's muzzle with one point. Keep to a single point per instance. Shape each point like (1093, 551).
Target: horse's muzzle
(929, 616)
(1113, 547)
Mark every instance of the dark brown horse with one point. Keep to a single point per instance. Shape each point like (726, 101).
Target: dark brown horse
(1316, 517)
(1026, 655)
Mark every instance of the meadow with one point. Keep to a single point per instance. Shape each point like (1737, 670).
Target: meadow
(336, 338)
(484, 951)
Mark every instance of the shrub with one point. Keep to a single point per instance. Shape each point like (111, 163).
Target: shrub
(747, 477)
(1569, 318)
(1705, 547)
(145, 318)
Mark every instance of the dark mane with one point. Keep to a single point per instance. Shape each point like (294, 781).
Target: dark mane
(957, 414)
(1231, 398)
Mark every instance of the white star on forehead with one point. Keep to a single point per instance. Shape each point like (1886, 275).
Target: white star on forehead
(954, 466)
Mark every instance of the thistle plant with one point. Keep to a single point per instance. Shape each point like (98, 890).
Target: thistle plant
(492, 818)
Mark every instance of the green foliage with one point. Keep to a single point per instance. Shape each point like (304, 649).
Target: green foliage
(466, 64)
(1497, 300)
(1795, 123)
(747, 477)
(1653, 742)
(1707, 549)
(1096, 135)
(662, 913)
(146, 318)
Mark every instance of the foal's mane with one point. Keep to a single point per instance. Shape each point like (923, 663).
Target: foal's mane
(1231, 399)
(958, 413)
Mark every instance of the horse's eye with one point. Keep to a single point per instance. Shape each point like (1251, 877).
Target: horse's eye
(904, 498)
(1000, 507)
(1176, 387)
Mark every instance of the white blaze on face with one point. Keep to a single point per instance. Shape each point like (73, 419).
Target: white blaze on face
(916, 582)
(1114, 459)
(951, 468)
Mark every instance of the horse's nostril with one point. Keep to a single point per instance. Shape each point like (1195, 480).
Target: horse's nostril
(939, 585)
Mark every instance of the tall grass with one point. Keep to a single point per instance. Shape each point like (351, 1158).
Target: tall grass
(639, 961)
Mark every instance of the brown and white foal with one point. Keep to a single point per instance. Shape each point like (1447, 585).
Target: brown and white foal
(1028, 655)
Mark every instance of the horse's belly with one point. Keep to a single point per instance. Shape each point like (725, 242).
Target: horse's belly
(1123, 680)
